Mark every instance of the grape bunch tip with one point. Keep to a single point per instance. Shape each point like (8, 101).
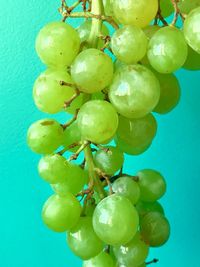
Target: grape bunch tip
(112, 74)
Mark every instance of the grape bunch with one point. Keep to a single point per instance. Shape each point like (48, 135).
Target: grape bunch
(111, 74)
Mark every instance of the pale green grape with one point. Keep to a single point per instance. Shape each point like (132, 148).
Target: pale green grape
(92, 70)
(97, 121)
(129, 44)
(186, 6)
(115, 220)
(72, 135)
(169, 93)
(152, 185)
(49, 95)
(57, 44)
(60, 214)
(191, 29)
(83, 241)
(135, 91)
(144, 207)
(166, 7)
(155, 229)
(101, 260)
(77, 103)
(132, 254)
(127, 187)
(193, 60)
(45, 136)
(108, 7)
(109, 161)
(167, 51)
(118, 66)
(73, 182)
(138, 13)
(98, 96)
(90, 207)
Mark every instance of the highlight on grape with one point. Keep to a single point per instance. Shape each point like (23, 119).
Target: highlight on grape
(112, 73)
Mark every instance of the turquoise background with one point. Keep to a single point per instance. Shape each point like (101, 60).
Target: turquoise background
(24, 240)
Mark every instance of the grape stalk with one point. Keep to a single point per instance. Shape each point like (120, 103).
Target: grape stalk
(112, 74)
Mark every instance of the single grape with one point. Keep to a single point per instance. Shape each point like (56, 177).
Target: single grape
(129, 44)
(152, 185)
(186, 6)
(191, 29)
(57, 44)
(127, 187)
(144, 207)
(98, 96)
(115, 220)
(72, 135)
(49, 95)
(155, 229)
(60, 214)
(166, 7)
(193, 60)
(167, 50)
(101, 260)
(132, 254)
(169, 93)
(138, 13)
(45, 136)
(77, 103)
(97, 121)
(90, 207)
(109, 160)
(83, 241)
(92, 70)
(135, 91)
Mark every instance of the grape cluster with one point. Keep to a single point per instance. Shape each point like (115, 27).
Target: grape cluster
(110, 83)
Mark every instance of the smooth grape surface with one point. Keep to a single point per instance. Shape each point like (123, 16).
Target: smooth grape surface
(186, 6)
(115, 220)
(83, 241)
(152, 185)
(135, 91)
(72, 135)
(192, 30)
(49, 95)
(166, 7)
(129, 44)
(132, 254)
(145, 207)
(138, 13)
(97, 121)
(109, 161)
(101, 260)
(193, 60)
(57, 44)
(45, 136)
(127, 187)
(167, 50)
(92, 70)
(155, 229)
(60, 214)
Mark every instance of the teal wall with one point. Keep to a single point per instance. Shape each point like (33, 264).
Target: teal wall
(24, 241)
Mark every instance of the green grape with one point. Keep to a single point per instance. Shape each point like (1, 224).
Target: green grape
(97, 121)
(73, 182)
(115, 220)
(101, 260)
(191, 29)
(77, 103)
(193, 60)
(167, 51)
(144, 207)
(49, 95)
(136, 133)
(169, 93)
(138, 13)
(127, 187)
(84, 32)
(109, 161)
(132, 254)
(166, 7)
(72, 135)
(129, 44)
(143, 265)
(152, 185)
(186, 6)
(83, 241)
(118, 66)
(98, 96)
(60, 214)
(155, 229)
(135, 91)
(90, 207)
(108, 7)
(57, 44)
(45, 136)
(92, 70)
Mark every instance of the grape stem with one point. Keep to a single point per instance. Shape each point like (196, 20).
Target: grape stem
(82, 147)
(67, 124)
(159, 16)
(107, 179)
(153, 261)
(176, 11)
(67, 148)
